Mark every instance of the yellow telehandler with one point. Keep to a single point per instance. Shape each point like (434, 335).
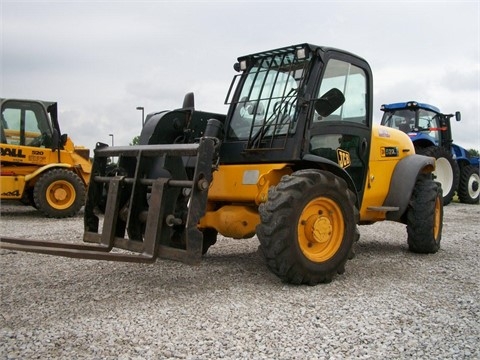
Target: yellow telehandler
(296, 160)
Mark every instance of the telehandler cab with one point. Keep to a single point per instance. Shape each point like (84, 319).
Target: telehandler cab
(296, 160)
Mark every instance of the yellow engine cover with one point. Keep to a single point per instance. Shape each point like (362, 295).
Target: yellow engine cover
(234, 196)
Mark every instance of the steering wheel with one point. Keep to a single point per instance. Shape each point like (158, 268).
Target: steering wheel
(251, 108)
(38, 141)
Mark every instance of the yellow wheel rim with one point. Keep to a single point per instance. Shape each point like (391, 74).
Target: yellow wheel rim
(60, 195)
(320, 229)
(438, 219)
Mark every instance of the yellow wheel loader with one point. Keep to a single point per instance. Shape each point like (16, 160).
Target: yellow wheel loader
(296, 161)
(40, 167)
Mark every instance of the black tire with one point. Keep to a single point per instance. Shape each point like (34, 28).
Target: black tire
(447, 172)
(209, 239)
(425, 217)
(59, 193)
(469, 189)
(308, 227)
(27, 197)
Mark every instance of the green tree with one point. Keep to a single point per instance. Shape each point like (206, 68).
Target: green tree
(135, 140)
(473, 152)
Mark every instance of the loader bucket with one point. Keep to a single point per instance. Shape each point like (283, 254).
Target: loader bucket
(148, 203)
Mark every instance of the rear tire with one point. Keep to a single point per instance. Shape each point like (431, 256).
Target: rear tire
(447, 172)
(59, 193)
(425, 217)
(308, 227)
(469, 189)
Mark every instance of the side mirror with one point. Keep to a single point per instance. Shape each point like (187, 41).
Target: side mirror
(329, 102)
(458, 116)
(63, 139)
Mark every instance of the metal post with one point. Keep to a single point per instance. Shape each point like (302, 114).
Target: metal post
(143, 115)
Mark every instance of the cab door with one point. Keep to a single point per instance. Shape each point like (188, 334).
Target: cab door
(344, 136)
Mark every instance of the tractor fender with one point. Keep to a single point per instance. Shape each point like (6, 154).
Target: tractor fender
(314, 161)
(403, 181)
(42, 169)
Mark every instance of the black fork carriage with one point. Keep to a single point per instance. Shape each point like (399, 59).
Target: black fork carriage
(152, 200)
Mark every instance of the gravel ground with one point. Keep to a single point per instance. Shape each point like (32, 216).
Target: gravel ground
(389, 303)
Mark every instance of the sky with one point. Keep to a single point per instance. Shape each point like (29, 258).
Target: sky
(100, 60)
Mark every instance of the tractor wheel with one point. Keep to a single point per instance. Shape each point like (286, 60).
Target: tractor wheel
(425, 217)
(468, 189)
(308, 227)
(447, 172)
(59, 193)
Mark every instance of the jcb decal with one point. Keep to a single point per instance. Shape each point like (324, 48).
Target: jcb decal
(12, 152)
(389, 151)
(343, 158)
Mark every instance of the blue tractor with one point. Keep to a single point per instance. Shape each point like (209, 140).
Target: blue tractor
(431, 135)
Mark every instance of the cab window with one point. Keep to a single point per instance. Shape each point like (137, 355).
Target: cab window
(352, 82)
(25, 124)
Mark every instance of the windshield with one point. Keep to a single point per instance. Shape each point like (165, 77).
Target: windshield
(267, 102)
(413, 121)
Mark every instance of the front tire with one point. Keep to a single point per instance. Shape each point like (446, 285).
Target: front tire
(425, 217)
(469, 189)
(308, 227)
(59, 193)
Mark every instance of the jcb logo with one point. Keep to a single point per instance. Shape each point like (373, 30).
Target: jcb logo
(12, 152)
(343, 158)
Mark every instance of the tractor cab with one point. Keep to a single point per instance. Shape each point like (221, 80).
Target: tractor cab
(424, 123)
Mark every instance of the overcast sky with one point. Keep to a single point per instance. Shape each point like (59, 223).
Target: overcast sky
(101, 59)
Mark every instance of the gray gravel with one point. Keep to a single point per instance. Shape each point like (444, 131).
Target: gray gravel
(389, 302)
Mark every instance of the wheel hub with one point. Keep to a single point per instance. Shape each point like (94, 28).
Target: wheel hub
(319, 229)
(444, 173)
(475, 186)
(60, 194)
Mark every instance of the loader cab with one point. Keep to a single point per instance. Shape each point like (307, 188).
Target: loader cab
(28, 123)
(424, 123)
(304, 105)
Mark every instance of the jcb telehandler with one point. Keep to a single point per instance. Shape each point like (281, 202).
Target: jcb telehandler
(296, 160)
(39, 166)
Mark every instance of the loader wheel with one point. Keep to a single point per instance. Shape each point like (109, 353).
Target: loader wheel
(468, 189)
(425, 217)
(308, 227)
(447, 172)
(59, 193)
